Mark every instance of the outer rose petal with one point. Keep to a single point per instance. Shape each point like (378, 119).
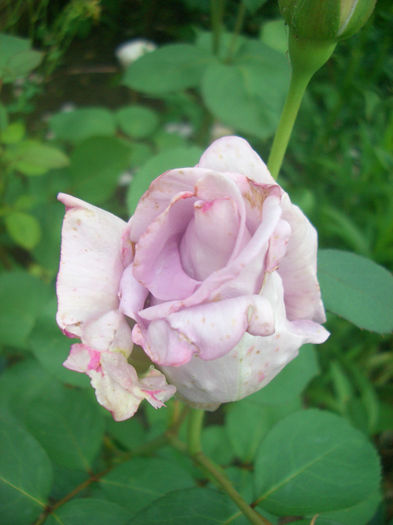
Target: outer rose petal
(298, 269)
(90, 265)
(252, 363)
(109, 332)
(234, 154)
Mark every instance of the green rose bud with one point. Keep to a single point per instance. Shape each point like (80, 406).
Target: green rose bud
(330, 20)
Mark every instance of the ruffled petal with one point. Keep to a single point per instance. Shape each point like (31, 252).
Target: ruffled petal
(234, 154)
(90, 265)
(108, 332)
(298, 269)
(209, 330)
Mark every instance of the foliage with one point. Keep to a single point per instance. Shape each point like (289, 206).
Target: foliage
(306, 444)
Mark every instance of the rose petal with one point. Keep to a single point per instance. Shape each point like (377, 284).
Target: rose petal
(108, 332)
(210, 237)
(90, 266)
(252, 363)
(157, 264)
(209, 330)
(298, 268)
(132, 294)
(234, 154)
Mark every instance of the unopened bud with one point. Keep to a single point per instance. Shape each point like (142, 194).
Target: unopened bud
(330, 20)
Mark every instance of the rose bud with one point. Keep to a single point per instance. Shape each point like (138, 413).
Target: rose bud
(217, 270)
(330, 20)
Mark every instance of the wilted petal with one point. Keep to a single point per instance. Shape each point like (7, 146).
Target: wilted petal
(90, 265)
(108, 332)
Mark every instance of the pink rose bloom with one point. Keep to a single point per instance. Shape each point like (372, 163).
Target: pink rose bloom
(217, 268)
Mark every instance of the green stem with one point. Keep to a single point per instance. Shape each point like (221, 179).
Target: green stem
(217, 15)
(306, 58)
(218, 475)
(236, 32)
(194, 429)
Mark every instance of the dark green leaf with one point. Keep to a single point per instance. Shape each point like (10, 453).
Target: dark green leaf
(215, 444)
(137, 121)
(170, 68)
(86, 511)
(357, 289)
(25, 474)
(140, 481)
(314, 461)
(166, 160)
(80, 124)
(130, 433)
(253, 5)
(70, 429)
(23, 228)
(51, 347)
(192, 506)
(96, 165)
(22, 297)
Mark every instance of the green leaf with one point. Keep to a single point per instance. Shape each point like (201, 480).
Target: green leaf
(51, 347)
(3, 118)
(34, 158)
(253, 5)
(357, 289)
(23, 228)
(166, 160)
(215, 444)
(249, 420)
(25, 474)
(96, 165)
(274, 34)
(16, 57)
(140, 481)
(170, 68)
(237, 94)
(70, 429)
(13, 133)
(130, 434)
(22, 297)
(80, 124)
(314, 461)
(192, 506)
(85, 511)
(138, 122)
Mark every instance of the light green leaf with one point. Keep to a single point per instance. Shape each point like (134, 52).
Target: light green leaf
(137, 121)
(140, 481)
(170, 68)
(80, 124)
(274, 33)
(13, 133)
(253, 5)
(22, 298)
(96, 165)
(70, 429)
(314, 461)
(237, 94)
(89, 511)
(192, 506)
(25, 474)
(166, 160)
(357, 289)
(23, 228)
(35, 158)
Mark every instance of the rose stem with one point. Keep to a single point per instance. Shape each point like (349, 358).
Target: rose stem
(306, 58)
